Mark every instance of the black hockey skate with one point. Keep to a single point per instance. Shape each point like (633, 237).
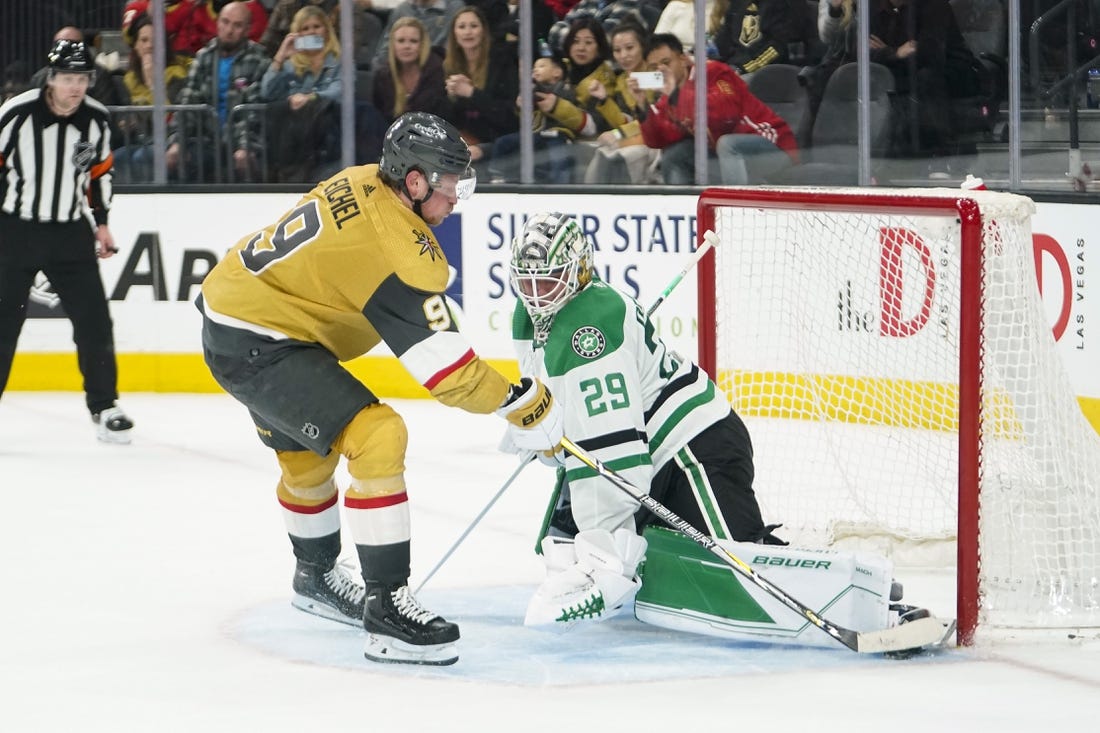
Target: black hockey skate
(905, 614)
(112, 425)
(400, 630)
(334, 594)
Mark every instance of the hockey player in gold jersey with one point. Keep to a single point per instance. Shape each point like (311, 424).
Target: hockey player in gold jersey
(352, 265)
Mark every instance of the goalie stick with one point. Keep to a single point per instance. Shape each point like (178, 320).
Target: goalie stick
(900, 638)
(709, 240)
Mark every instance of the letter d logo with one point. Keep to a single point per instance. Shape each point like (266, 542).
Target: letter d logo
(891, 281)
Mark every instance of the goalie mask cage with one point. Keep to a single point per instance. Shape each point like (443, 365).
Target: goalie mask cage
(891, 355)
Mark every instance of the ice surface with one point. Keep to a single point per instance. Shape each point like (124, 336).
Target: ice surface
(147, 587)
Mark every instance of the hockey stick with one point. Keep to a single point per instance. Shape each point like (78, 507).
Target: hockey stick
(710, 239)
(903, 637)
(524, 460)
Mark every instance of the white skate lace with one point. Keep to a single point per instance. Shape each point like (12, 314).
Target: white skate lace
(344, 585)
(409, 607)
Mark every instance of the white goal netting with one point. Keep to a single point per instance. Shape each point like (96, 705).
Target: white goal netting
(839, 333)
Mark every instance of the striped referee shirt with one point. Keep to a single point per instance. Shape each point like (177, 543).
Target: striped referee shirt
(54, 169)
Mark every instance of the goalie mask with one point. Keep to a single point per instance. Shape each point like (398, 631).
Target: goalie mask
(551, 262)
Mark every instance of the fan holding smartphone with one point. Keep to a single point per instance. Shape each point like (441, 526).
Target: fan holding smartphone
(309, 42)
(649, 80)
(303, 87)
(621, 156)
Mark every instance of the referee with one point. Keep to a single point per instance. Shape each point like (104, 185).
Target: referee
(55, 190)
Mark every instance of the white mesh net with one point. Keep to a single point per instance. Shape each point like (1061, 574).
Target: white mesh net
(838, 340)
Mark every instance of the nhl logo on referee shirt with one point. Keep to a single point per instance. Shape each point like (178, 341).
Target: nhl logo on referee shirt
(83, 156)
(588, 342)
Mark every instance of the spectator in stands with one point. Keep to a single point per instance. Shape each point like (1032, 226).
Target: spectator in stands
(498, 17)
(226, 72)
(588, 70)
(642, 12)
(932, 65)
(134, 151)
(412, 81)
(678, 18)
(567, 113)
(748, 139)
(177, 23)
(836, 28)
(303, 86)
(623, 156)
(282, 15)
(481, 82)
(835, 21)
(205, 20)
(755, 33)
(436, 15)
(556, 122)
(367, 25)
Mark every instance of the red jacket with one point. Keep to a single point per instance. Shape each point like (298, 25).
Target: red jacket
(177, 22)
(731, 108)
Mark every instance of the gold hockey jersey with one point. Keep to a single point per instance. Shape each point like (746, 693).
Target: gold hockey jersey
(348, 267)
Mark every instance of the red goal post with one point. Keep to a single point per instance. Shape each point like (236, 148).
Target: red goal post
(889, 351)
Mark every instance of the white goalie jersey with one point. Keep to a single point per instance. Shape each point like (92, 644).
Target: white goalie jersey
(628, 400)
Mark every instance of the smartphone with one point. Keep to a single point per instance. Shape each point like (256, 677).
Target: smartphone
(649, 79)
(311, 42)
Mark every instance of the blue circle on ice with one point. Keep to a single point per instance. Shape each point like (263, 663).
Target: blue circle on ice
(497, 647)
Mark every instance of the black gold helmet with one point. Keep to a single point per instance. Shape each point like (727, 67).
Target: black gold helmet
(71, 57)
(426, 143)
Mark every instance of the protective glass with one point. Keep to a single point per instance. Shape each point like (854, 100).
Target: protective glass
(460, 186)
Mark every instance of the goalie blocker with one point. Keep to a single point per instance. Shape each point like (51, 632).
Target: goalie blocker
(683, 588)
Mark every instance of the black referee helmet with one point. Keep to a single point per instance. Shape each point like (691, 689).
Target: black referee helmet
(70, 57)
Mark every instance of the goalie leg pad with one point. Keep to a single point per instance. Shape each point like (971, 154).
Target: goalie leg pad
(558, 553)
(588, 579)
(566, 595)
(684, 588)
(612, 562)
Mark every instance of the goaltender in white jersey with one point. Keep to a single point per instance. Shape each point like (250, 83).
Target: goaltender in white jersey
(661, 423)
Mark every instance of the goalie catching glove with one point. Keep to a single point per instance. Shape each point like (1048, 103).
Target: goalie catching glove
(535, 420)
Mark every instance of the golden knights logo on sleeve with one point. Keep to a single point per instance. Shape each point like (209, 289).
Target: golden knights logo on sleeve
(750, 26)
(428, 245)
(588, 342)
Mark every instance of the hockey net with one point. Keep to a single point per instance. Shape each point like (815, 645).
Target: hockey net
(891, 355)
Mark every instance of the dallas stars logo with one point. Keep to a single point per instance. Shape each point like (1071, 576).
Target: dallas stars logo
(588, 342)
(427, 244)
